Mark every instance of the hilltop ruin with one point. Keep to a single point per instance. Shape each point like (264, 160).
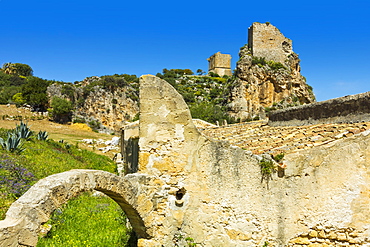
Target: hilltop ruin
(268, 75)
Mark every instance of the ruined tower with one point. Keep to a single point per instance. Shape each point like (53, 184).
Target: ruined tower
(220, 64)
(265, 40)
(268, 75)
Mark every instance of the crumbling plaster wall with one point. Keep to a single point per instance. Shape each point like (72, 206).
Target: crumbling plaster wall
(213, 193)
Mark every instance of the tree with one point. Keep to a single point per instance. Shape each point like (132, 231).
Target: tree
(200, 72)
(23, 69)
(8, 68)
(34, 93)
(17, 69)
(61, 109)
(18, 99)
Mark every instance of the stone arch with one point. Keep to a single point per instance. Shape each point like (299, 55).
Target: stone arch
(25, 217)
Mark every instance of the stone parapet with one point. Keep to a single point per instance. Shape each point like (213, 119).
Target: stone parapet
(353, 108)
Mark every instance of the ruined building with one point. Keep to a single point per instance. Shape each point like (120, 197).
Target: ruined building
(182, 184)
(220, 64)
(187, 185)
(265, 40)
(268, 75)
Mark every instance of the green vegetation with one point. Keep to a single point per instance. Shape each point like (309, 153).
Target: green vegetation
(206, 96)
(261, 61)
(19, 69)
(61, 110)
(182, 241)
(85, 221)
(267, 168)
(278, 157)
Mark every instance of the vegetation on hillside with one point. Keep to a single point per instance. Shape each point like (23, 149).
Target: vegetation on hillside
(19, 86)
(206, 96)
(41, 157)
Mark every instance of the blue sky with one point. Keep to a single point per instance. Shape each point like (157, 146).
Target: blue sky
(70, 40)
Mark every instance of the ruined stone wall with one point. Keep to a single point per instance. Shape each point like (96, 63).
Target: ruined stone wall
(220, 64)
(265, 40)
(353, 108)
(215, 193)
(190, 186)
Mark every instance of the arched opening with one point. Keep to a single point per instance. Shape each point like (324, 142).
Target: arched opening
(90, 219)
(36, 206)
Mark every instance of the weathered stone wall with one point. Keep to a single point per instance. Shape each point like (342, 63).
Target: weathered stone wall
(265, 40)
(189, 186)
(25, 218)
(353, 108)
(213, 193)
(220, 64)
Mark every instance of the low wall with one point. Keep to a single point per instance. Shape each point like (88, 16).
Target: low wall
(353, 108)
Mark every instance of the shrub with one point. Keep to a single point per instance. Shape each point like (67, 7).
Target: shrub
(279, 157)
(18, 99)
(260, 61)
(61, 110)
(94, 125)
(267, 168)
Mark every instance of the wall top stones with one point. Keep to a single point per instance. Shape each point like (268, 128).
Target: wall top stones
(265, 40)
(352, 108)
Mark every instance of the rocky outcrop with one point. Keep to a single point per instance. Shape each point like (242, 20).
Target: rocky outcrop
(111, 109)
(268, 75)
(102, 107)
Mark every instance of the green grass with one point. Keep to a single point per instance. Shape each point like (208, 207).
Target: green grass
(84, 221)
(87, 221)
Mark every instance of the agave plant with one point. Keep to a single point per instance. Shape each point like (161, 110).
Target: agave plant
(23, 131)
(12, 144)
(42, 135)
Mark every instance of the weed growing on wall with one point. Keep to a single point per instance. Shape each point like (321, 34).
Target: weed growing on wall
(267, 169)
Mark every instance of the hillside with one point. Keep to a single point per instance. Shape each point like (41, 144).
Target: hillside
(62, 151)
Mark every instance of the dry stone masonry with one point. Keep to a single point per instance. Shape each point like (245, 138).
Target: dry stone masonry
(189, 185)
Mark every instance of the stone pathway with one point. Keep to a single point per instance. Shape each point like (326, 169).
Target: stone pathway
(260, 138)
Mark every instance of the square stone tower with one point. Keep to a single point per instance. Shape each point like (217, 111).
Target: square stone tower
(220, 64)
(265, 40)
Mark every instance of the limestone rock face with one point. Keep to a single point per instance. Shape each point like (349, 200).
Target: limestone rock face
(111, 109)
(268, 75)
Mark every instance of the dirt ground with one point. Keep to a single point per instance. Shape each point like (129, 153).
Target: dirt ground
(72, 133)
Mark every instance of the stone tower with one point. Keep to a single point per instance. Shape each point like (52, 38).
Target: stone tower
(265, 40)
(268, 75)
(220, 64)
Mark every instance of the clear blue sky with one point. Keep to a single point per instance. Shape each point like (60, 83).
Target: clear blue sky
(70, 40)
